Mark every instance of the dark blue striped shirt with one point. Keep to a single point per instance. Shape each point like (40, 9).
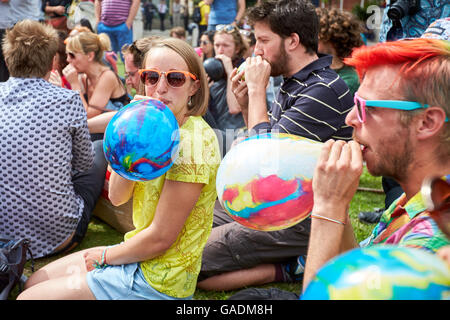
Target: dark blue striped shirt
(313, 103)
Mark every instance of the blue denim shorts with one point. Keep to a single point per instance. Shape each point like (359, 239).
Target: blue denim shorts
(123, 282)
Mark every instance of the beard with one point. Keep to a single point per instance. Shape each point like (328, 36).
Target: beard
(278, 67)
(395, 159)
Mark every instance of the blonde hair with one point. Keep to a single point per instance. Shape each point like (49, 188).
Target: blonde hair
(199, 102)
(29, 48)
(87, 41)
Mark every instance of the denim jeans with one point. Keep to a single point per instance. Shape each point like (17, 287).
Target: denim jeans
(119, 35)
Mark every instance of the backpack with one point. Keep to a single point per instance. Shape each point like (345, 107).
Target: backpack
(196, 15)
(13, 256)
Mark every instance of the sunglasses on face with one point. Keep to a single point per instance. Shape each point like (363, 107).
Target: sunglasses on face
(71, 55)
(361, 105)
(175, 78)
(226, 27)
(205, 42)
(436, 195)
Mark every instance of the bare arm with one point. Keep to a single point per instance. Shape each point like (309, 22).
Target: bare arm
(233, 105)
(240, 91)
(257, 74)
(241, 10)
(336, 179)
(98, 10)
(170, 217)
(133, 11)
(120, 190)
(99, 123)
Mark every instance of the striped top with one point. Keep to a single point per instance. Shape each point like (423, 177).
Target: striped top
(313, 103)
(115, 12)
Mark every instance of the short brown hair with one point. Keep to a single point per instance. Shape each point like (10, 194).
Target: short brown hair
(199, 103)
(29, 48)
(285, 17)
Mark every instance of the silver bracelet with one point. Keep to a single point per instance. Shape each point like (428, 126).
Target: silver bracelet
(327, 219)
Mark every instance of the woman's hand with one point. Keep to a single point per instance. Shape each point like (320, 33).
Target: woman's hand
(92, 257)
(71, 75)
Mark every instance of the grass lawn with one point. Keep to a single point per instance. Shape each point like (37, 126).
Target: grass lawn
(99, 233)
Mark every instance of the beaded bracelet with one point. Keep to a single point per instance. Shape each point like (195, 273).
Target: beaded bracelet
(102, 264)
(327, 219)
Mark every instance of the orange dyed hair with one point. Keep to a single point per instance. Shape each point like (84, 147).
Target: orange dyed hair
(424, 74)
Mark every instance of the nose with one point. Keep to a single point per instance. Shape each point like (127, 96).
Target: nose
(258, 50)
(128, 80)
(162, 84)
(352, 118)
(219, 50)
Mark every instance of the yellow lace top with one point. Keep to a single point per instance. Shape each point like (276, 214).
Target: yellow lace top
(175, 272)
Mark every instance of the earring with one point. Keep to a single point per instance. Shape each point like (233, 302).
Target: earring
(190, 101)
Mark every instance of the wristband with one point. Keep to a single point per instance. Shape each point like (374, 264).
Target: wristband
(327, 219)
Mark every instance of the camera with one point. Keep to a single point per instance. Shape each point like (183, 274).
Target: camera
(400, 8)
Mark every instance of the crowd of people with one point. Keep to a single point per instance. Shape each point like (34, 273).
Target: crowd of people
(307, 73)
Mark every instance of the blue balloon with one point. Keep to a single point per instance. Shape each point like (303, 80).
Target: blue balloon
(381, 272)
(141, 140)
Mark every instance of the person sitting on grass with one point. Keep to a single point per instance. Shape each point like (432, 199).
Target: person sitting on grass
(51, 175)
(161, 258)
(100, 88)
(401, 130)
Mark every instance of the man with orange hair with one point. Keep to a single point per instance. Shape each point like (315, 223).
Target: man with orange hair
(400, 129)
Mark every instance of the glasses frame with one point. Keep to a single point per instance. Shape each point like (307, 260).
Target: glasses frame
(361, 105)
(70, 54)
(185, 73)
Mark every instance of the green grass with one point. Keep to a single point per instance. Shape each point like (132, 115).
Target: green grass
(99, 233)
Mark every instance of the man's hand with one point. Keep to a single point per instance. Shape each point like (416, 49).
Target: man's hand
(239, 88)
(336, 177)
(227, 63)
(257, 74)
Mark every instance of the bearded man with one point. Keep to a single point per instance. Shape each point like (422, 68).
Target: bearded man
(312, 102)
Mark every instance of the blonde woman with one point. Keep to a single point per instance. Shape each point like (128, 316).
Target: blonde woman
(100, 88)
(161, 258)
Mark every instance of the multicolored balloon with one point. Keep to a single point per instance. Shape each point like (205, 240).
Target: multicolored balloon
(265, 182)
(141, 140)
(381, 273)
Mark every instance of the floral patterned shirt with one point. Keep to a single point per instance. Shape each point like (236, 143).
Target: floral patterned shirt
(175, 272)
(409, 224)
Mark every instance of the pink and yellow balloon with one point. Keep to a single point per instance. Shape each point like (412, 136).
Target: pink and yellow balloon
(265, 182)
